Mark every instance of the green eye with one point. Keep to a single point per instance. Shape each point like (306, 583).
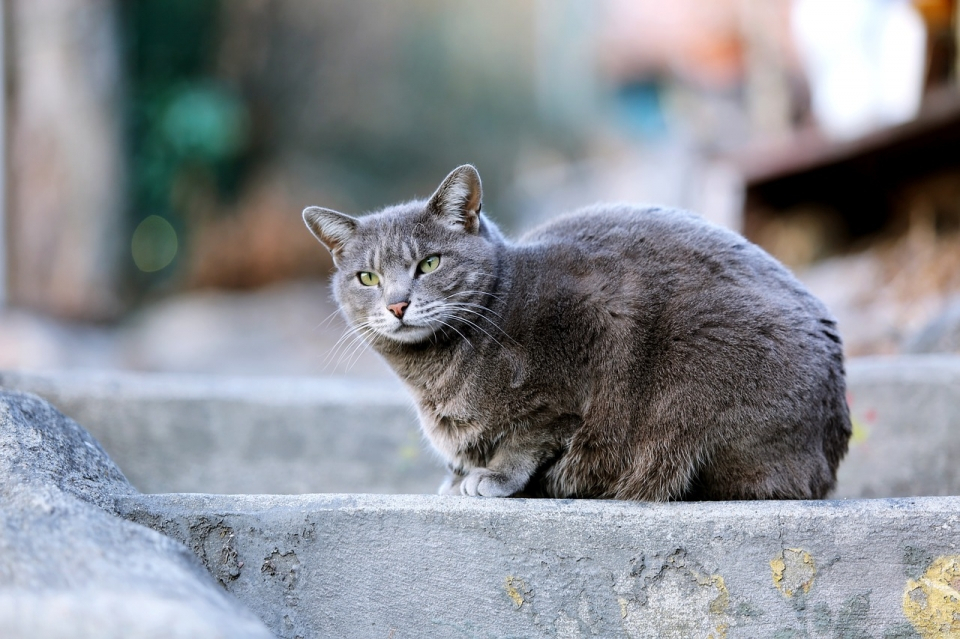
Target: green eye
(429, 264)
(368, 279)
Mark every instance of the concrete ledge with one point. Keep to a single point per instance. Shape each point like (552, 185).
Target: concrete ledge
(414, 566)
(425, 566)
(195, 433)
(272, 435)
(69, 567)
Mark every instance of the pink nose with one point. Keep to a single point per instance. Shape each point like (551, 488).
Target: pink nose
(398, 308)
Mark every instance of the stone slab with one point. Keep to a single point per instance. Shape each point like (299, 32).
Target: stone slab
(428, 566)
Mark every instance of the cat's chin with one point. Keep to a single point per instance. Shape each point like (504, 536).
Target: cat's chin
(407, 334)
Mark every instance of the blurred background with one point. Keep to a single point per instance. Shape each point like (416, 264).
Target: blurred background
(157, 155)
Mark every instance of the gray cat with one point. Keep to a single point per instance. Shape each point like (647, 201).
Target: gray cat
(618, 352)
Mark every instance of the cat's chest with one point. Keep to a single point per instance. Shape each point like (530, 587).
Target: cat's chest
(465, 403)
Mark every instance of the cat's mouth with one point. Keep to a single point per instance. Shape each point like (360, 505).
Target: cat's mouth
(406, 332)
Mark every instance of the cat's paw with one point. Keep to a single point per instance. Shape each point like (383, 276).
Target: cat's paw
(481, 482)
(451, 485)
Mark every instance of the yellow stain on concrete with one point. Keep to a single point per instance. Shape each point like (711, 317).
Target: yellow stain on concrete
(623, 607)
(515, 587)
(932, 603)
(719, 604)
(721, 632)
(793, 570)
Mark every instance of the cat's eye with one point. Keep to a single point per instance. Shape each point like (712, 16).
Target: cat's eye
(368, 279)
(429, 264)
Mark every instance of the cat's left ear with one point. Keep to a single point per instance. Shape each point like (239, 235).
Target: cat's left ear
(333, 229)
(456, 204)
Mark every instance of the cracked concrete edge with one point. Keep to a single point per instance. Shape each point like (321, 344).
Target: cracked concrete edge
(410, 566)
(69, 567)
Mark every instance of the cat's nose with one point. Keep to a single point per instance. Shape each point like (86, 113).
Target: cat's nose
(398, 308)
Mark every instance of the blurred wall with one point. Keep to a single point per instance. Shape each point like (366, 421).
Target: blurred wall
(66, 188)
(161, 145)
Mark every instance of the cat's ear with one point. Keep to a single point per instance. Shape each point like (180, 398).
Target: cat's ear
(456, 203)
(331, 228)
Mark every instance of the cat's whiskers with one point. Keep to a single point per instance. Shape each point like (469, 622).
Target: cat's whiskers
(358, 342)
(454, 329)
(326, 320)
(465, 305)
(475, 325)
(464, 309)
(353, 334)
(338, 344)
(475, 292)
(358, 351)
(444, 299)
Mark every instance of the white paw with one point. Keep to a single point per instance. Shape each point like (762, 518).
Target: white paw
(481, 482)
(451, 485)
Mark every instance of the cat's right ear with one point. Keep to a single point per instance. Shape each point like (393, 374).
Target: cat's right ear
(331, 228)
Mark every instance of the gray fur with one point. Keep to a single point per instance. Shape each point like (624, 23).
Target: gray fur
(618, 352)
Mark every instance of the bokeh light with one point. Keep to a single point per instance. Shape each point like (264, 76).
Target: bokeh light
(154, 244)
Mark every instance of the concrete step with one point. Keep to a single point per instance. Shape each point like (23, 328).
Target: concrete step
(192, 433)
(353, 565)
(314, 435)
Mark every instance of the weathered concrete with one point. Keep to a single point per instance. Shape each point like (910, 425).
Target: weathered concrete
(427, 566)
(173, 433)
(243, 435)
(414, 566)
(71, 568)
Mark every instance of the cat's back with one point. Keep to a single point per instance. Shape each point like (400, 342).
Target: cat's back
(629, 231)
(675, 277)
(662, 249)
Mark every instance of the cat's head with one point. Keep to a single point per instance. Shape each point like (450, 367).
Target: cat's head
(414, 271)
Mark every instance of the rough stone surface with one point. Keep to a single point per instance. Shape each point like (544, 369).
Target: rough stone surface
(71, 568)
(427, 566)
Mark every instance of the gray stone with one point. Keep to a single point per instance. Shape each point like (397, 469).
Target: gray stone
(69, 567)
(357, 566)
(414, 566)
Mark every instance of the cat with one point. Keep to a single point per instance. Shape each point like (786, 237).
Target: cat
(618, 352)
